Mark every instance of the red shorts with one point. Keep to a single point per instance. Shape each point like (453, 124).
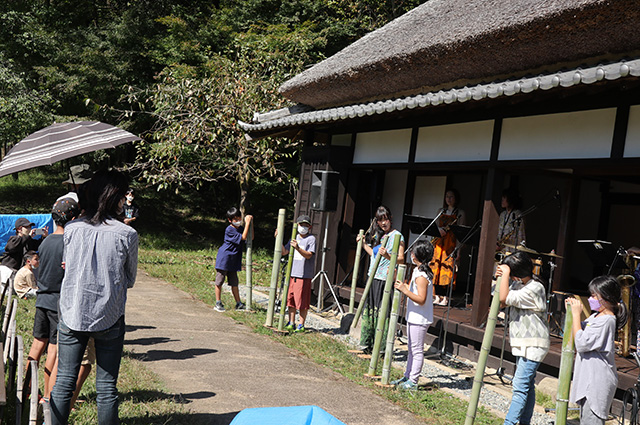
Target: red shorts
(299, 296)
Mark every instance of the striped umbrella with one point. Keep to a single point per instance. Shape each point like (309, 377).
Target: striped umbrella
(62, 141)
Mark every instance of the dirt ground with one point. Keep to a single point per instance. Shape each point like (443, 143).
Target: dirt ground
(220, 367)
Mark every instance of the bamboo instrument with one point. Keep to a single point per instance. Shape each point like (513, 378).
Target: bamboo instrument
(384, 307)
(356, 268)
(566, 369)
(287, 278)
(393, 323)
(367, 287)
(484, 353)
(249, 265)
(277, 255)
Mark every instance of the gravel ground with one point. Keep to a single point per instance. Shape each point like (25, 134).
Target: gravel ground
(456, 377)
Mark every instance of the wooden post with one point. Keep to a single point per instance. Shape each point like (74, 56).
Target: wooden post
(249, 272)
(393, 323)
(367, 287)
(384, 307)
(277, 255)
(287, 278)
(484, 354)
(566, 369)
(356, 269)
(487, 248)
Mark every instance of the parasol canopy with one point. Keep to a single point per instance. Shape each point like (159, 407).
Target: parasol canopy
(62, 141)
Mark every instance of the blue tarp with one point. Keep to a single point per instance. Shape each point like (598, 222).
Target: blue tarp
(8, 221)
(294, 415)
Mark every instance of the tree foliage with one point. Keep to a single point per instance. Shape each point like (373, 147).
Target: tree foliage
(179, 72)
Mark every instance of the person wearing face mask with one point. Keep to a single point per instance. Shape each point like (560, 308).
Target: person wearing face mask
(130, 209)
(299, 296)
(524, 294)
(595, 378)
(20, 243)
(229, 257)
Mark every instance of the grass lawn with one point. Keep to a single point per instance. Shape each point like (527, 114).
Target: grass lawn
(179, 240)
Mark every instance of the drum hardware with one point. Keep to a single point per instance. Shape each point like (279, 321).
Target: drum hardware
(551, 254)
(522, 248)
(537, 266)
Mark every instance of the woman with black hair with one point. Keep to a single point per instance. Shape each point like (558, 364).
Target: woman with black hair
(382, 226)
(100, 259)
(419, 312)
(595, 377)
(444, 268)
(524, 294)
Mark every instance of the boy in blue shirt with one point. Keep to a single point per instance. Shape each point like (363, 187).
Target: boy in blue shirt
(229, 257)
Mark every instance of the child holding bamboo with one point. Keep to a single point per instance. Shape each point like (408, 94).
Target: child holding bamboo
(528, 330)
(595, 378)
(382, 226)
(419, 312)
(229, 256)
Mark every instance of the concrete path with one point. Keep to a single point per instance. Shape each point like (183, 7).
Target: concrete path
(220, 367)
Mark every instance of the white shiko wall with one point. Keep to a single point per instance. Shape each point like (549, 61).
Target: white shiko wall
(571, 135)
(380, 147)
(470, 141)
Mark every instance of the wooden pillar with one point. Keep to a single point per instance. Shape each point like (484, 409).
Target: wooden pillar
(569, 199)
(487, 248)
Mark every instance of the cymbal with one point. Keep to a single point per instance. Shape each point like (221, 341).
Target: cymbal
(551, 254)
(522, 248)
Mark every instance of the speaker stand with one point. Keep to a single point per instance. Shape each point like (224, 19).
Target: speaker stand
(322, 274)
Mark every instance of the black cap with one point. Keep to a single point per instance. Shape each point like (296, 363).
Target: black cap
(23, 222)
(65, 210)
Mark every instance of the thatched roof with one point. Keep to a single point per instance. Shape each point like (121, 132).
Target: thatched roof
(452, 43)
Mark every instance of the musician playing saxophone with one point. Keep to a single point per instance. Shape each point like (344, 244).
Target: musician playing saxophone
(444, 271)
(510, 226)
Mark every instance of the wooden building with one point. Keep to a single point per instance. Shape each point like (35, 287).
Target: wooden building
(542, 96)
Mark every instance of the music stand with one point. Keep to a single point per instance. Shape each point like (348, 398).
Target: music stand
(603, 254)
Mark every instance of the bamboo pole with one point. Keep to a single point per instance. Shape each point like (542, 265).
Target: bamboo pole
(249, 272)
(484, 353)
(393, 323)
(367, 287)
(356, 268)
(566, 369)
(384, 307)
(277, 255)
(287, 278)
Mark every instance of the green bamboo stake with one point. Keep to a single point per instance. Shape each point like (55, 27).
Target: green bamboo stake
(566, 370)
(356, 268)
(287, 278)
(393, 323)
(277, 255)
(384, 307)
(484, 353)
(249, 272)
(367, 287)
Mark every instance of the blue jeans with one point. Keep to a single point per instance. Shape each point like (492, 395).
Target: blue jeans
(524, 393)
(71, 346)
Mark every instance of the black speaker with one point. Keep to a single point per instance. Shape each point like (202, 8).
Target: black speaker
(324, 190)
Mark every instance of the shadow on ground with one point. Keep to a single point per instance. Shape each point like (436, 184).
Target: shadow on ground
(153, 355)
(182, 418)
